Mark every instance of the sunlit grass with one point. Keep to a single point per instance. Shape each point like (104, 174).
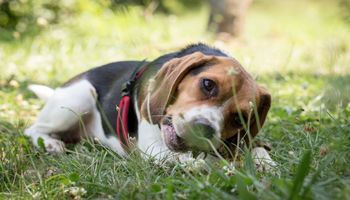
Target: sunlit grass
(299, 50)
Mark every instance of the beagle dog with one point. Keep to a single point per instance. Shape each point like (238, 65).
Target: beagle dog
(198, 99)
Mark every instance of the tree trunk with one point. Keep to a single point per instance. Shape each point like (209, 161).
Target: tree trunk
(227, 16)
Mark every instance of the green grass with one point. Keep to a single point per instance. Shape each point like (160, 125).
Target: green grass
(299, 50)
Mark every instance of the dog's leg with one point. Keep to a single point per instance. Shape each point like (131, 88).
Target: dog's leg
(95, 130)
(63, 111)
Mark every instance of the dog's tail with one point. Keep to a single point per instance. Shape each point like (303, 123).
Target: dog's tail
(42, 91)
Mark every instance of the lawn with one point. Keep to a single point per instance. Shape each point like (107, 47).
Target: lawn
(299, 50)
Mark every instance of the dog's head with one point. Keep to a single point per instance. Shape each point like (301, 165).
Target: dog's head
(201, 101)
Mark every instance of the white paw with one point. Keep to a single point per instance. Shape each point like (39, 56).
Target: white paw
(262, 160)
(53, 145)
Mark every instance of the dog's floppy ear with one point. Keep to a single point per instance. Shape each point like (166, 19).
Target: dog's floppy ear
(165, 84)
(262, 110)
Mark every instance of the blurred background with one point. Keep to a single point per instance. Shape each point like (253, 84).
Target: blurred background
(298, 49)
(105, 30)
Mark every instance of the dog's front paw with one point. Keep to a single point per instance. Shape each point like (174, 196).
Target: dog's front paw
(53, 145)
(45, 141)
(262, 160)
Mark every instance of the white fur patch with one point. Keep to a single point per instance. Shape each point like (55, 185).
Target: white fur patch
(65, 109)
(42, 91)
(150, 140)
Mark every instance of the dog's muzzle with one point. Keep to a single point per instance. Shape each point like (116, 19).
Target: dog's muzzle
(185, 136)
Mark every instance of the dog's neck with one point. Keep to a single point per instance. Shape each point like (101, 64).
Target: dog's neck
(140, 89)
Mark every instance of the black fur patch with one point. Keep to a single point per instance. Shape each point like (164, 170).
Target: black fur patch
(205, 49)
(108, 80)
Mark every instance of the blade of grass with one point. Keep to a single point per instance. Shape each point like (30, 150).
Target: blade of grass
(302, 172)
(243, 192)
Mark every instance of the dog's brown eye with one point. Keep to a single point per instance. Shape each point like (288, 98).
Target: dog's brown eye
(209, 87)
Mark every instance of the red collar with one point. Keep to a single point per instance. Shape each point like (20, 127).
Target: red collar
(124, 106)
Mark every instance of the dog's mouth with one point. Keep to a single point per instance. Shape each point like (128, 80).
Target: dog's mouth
(178, 144)
(171, 139)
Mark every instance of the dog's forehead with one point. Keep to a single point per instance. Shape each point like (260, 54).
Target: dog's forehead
(224, 67)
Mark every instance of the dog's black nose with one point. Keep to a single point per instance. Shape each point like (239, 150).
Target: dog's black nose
(202, 127)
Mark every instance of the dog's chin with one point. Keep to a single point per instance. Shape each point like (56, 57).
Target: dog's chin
(172, 140)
